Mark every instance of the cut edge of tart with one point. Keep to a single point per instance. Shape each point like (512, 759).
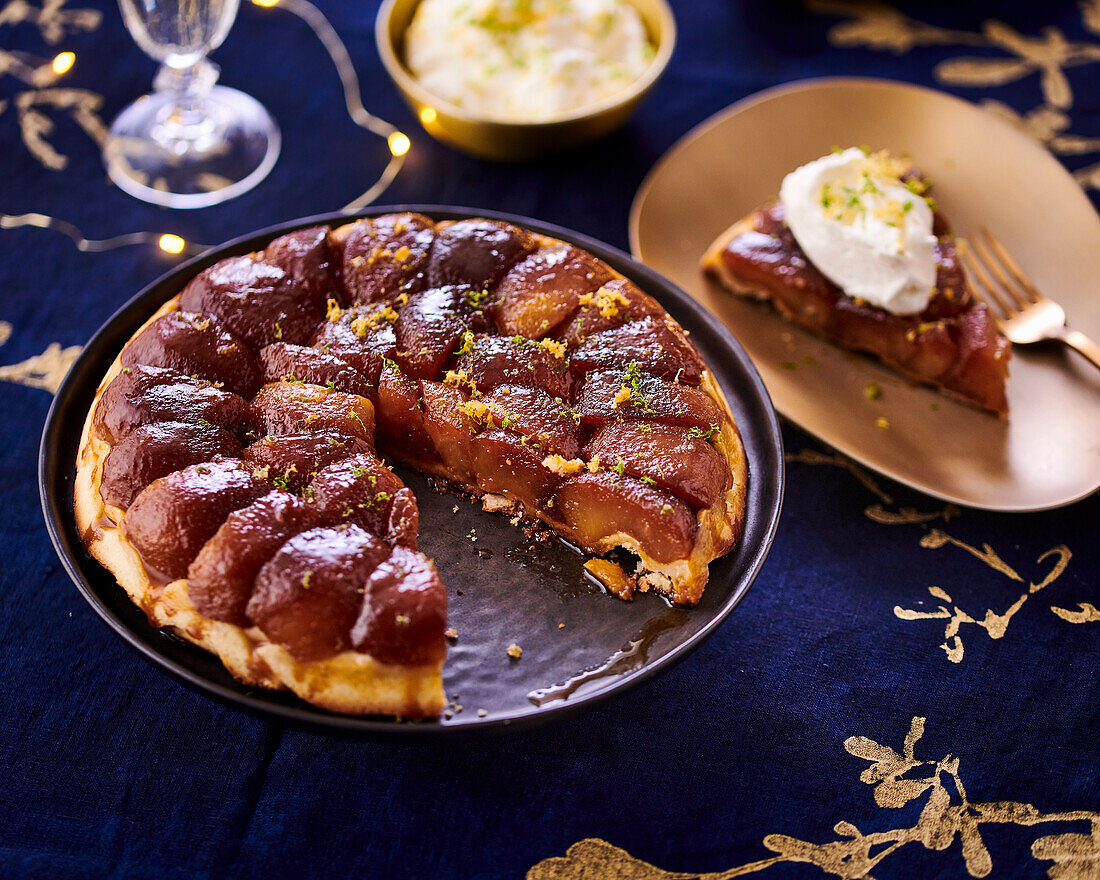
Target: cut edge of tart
(969, 356)
(351, 681)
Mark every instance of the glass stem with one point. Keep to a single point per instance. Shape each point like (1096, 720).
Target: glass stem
(187, 125)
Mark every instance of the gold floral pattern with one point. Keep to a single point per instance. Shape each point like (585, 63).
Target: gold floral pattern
(993, 623)
(44, 370)
(34, 106)
(948, 816)
(886, 512)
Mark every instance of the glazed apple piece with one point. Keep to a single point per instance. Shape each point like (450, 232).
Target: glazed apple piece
(476, 252)
(600, 505)
(292, 460)
(258, 302)
(428, 329)
(610, 395)
(195, 345)
(362, 336)
(221, 578)
(143, 395)
(492, 361)
(613, 305)
(156, 450)
(305, 255)
(174, 516)
(308, 595)
(294, 408)
(400, 417)
(669, 456)
(314, 367)
(656, 345)
(404, 612)
(512, 465)
(544, 288)
(530, 412)
(385, 255)
(362, 490)
(450, 427)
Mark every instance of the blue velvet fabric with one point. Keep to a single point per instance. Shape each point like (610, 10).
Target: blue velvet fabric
(746, 756)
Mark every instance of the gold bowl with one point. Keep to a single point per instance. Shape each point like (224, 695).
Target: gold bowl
(516, 141)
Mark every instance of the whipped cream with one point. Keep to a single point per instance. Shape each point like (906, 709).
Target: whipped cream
(863, 228)
(526, 60)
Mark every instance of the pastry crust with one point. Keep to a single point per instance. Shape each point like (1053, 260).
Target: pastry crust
(353, 682)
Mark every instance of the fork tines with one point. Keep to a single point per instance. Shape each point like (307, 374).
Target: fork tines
(986, 259)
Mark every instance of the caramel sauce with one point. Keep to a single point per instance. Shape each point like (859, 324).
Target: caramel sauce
(628, 658)
(94, 532)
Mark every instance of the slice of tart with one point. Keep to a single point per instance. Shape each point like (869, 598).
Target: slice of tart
(854, 251)
(231, 475)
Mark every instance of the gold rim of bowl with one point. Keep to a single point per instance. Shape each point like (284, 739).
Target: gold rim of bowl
(502, 140)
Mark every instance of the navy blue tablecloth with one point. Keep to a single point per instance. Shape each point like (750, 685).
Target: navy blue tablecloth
(909, 690)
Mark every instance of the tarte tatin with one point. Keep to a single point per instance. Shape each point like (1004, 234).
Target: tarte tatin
(949, 341)
(230, 476)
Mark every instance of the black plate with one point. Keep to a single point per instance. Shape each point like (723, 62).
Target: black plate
(499, 590)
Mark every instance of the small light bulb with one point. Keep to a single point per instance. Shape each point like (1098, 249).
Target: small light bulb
(399, 143)
(63, 62)
(427, 115)
(266, 2)
(171, 244)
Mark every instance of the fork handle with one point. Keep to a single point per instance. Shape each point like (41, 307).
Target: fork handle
(1077, 340)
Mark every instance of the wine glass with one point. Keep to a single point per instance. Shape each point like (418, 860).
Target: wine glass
(190, 143)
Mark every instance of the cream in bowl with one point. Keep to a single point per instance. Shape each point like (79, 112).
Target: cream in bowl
(526, 61)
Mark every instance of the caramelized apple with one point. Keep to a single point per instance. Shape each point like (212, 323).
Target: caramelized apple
(614, 304)
(361, 336)
(508, 464)
(403, 524)
(292, 460)
(656, 345)
(308, 595)
(195, 345)
(600, 505)
(153, 451)
(385, 255)
(405, 611)
(428, 329)
(258, 302)
(674, 458)
(306, 257)
(401, 418)
(493, 361)
(313, 366)
(220, 580)
(543, 289)
(632, 395)
(142, 395)
(174, 516)
(533, 413)
(450, 428)
(476, 252)
(364, 491)
(295, 408)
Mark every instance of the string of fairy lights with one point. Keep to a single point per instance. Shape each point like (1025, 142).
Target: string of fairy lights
(172, 244)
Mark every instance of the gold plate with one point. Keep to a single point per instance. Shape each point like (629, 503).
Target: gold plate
(986, 173)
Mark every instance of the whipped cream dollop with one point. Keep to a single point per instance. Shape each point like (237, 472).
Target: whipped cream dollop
(864, 228)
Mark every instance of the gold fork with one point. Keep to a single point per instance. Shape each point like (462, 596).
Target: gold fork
(1023, 314)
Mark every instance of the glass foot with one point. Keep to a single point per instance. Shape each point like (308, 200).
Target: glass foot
(212, 152)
